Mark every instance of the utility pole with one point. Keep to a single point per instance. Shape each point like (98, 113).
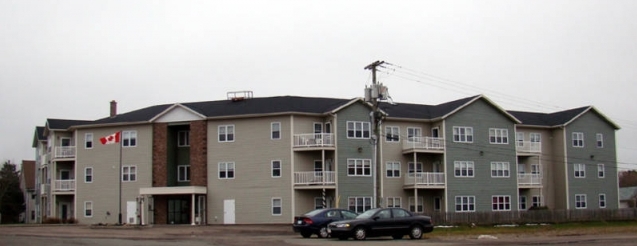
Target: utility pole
(373, 95)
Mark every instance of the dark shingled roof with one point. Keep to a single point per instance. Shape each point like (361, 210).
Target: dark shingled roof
(39, 133)
(544, 119)
(61, 124)
(144, 114)
(420, 111)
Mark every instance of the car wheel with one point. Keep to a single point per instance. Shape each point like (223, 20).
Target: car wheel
(360, 233)
(397, 236)
(415, 232)
(306, 234)
(323, 232)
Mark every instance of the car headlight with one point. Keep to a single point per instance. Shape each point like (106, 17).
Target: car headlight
(342, 225)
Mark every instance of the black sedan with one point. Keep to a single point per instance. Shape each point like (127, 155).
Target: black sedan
(395, 222)
(315, 222)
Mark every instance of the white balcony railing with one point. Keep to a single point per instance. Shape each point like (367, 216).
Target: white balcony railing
(425, 178)
(65, 152)
(65, 185)
(424, 143)
(314, 140)
(529, 179)
(529, 147)
(315, 178)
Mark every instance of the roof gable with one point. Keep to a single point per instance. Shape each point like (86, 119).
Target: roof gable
(560, 118)
(177, 113)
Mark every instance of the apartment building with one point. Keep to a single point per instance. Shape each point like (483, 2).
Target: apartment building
(249, 160)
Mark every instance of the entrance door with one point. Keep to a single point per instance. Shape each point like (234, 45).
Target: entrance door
(228, 211)
(131, 212)
(64, 211)
(179, 211)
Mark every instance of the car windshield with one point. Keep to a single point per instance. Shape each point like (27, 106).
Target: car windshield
(314, 212)
(367, 214)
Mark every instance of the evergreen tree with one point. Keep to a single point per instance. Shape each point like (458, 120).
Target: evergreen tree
(11, 198)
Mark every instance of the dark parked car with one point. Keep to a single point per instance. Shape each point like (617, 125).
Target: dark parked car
(315, 222)
(395, 222)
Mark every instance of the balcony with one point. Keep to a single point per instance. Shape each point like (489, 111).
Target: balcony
(425, 180)
(65, 152)
(315, 179)
(65, 185)
(528, 147)
(529, 180)
(313, 141)
(423, 145)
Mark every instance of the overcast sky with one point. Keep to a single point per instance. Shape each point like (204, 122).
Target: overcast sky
(69, 59)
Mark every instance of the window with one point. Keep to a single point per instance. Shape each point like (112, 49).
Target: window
(418, 169)
(358, 129)
(183, 138)
(580, 170)
(600, 140)
(521, 168)
(129, 138)
(226, 133)
(88, 209)
(392, 169)
(501, 203)
(462, 134)
(519, 138)
(463, 168)
(537, 201)
(393, 202)
(318, 202)
(414, 133)
(437, 203)
(601, 173)
(535, 169)
(276, 169)
(498, 135)
(318, 168)
(578, 139)
(522, 202)
(359, 204)
(392, 134)
(580, 201)
(183, 173)
(226, 170)
(420, 204)
(276, 206)
(602, 200)
(129, 173)
(535, 137)
(88, 175)
(359, 167)
(465, 203)
(88, 140)
(500, 169)
(275, 130)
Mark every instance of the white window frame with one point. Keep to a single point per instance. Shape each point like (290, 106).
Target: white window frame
(183, 139)
(87, 174)
(225, 168)
(500, 169)
(466, 203)
(600, 140)
(579, 170)
(394, 202)
(358, 127)
(500, 203)
(364, 201)
(275, 130)
(535, 137)
(421, 204)
(362, 165)
(88, 140)
(437, 203)
(463, 134)
(129, 173)
(535, 169)
(274, 168)
(467, 166)
(393, 168)
(601, 171)
(276, 200)
(580, 201)
(602, 200)
(318, 202)
(129, 138)
(519, 139)
(498, 136)
(522, 203)
(410, 167)
(185, 169)
(414, 133)
(578, 139)
(88, 208)
(228, 133)
(536, 201)
(392, 134)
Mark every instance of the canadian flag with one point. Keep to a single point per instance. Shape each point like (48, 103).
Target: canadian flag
(110, 139)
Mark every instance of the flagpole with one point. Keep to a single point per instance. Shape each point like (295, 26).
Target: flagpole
(120, 180)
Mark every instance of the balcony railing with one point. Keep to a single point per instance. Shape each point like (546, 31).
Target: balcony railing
(314, 140)
(65, 152)
(315, 178)
(425, 178)
(529, 147)
(65, 185)
(424, 143)
(45, 189)
(529, 179)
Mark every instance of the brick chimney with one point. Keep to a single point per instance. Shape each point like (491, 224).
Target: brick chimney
(113, 108)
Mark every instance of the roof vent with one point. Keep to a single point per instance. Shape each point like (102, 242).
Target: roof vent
(236, 96)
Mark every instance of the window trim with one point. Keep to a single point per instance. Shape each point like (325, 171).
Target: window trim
(129, 138)
(601, 171)
(602, 200)
(421, 204)
(86, 206)
(578, 204)
(462, 137)
(88, 140)
(183, 138)
(579, 170)
(273, 130)
(280, 200)
(392, 134)
(471, 204)
(505, 166)
(600, 140)
(522, 201)
(227, 169)
(501, 133)
(272, 168)
(536, 201)
(129, 173)
(226, 133)
(390, 166)
(186, 168)
(364, 205)
(86, 175)
(365, 128)
(394, 199)
(504, 205)
(468, 165)
(366, 164)
(576, 142)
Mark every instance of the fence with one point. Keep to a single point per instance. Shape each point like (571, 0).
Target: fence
(533, 216)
